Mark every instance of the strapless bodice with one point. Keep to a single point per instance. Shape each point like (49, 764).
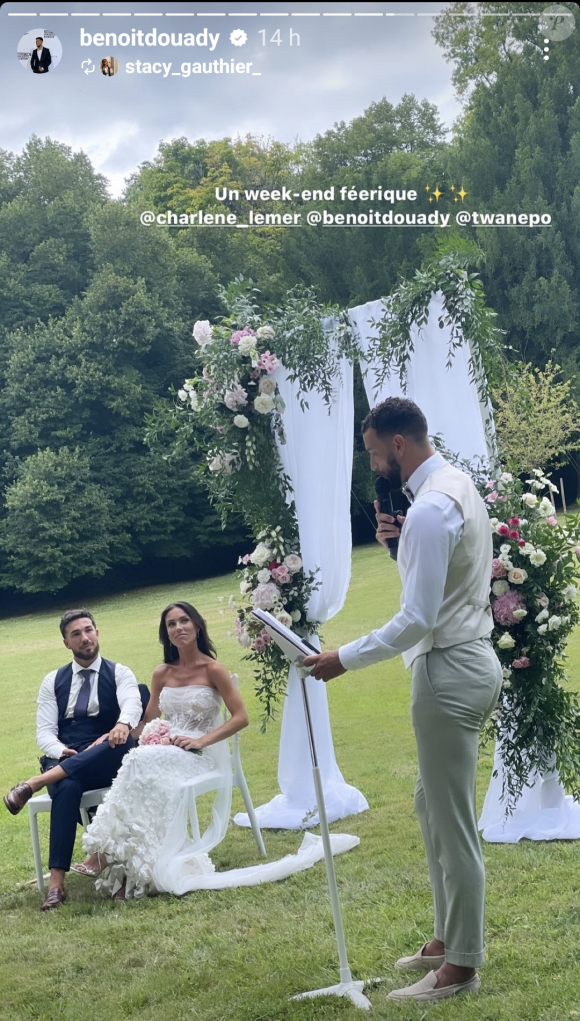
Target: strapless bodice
(193, 709)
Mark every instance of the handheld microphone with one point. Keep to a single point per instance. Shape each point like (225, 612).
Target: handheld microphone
(384, 492)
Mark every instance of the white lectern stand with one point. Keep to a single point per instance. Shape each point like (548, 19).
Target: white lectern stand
(296, 650)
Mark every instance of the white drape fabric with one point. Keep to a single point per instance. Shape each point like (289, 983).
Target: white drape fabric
(447, 396)
(317, 457)
(543, 812)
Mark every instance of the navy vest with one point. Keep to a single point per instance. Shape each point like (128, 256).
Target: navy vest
(79, 733)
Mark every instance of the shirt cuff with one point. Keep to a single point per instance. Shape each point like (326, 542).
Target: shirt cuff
(349, 657)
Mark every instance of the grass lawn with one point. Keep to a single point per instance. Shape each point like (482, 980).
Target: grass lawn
(241, 953)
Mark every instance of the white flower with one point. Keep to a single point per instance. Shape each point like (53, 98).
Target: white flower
(284, 618)
(202, 331)
(245, 587)
(267, 386)
(538, 471)
(542, 615)
(188, 386)
(520, 613)
(235, 398)
(261, 555)
(293, 563)
(570, 592)
(280, 404)
(506, 642)
(264, 575)
(527, 549)
(182, 394)
(247, 345)
(538, 557)
(494, 522)
(534, 484)
(530, 499)
(506, 477)
(193, 400)
(500, 587)
(296, 615)
(244, 640)
(542, 600)
(505, 560)
(506, 672)
(546, 507)
(265, 331)
(542, 629)
(554, 623)
(241, 421)
(263, 404)
(505, 548)
(517, 576)
(223, 463)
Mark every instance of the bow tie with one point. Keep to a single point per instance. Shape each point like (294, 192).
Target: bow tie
(408, 494)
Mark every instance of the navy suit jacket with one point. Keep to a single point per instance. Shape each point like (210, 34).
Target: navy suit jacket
(43, 63)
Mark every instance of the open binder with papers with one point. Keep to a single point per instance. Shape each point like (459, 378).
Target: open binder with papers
(294, 648)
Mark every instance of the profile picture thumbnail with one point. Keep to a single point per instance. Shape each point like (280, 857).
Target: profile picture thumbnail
(40, 51)
(109, 66)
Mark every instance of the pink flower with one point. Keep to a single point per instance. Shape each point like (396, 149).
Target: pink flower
(490, 485)
(502, 499)
(521, 663)
(265, 595)
(491, 497)
(237, 336)
(498, 570)
(503, 530)
(276, 563)
(514, 522)
(265, 636)
(154, 739)
(268, 362)
(281, 575)
(552, 520)
(504, 606)
(514, 534)
(577, 551)
(522, 542)
(246, 559)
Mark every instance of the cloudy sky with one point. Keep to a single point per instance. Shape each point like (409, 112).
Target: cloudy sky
(335, 67)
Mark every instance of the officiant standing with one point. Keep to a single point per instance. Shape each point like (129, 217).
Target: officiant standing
(442, 631)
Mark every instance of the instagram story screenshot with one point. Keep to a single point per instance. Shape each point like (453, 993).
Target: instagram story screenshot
(289, 510)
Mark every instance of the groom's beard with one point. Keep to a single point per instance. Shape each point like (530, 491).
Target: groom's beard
(393, 474)
(89, 654)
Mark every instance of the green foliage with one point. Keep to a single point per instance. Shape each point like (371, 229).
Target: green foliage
(58, 525)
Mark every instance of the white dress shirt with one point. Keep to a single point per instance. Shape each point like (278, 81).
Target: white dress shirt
(128, 697)
(433, 527)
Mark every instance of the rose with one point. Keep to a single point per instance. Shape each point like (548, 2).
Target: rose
(503, 530)
(263, 576)
(296, 615)
(284, 618)
(542, 600)
(506, 642)
(241, 421)
(538, 557)
(521, 663)
(514, 534)
(506, 672)
(546, 508)
(261, 555)
(247, 345)
(530, 499)
(514, 522)
(265, 596)
(223, 463)
(202, 331)
(282, 575)
(265, 331)
(517, 576)
(554, 623)
(267, 386)
(245, 587)
(263, 404)
(293, 563)
(498, 569)
(542, 629)
(182, 394)
(235, 398)
(520, 613)
(542, 616)
(570, 592)
(499, 588)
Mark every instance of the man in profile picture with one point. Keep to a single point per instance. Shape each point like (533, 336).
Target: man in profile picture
(41, 58)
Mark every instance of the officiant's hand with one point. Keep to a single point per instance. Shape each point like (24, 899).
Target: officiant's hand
(388, 528)
(325, 666)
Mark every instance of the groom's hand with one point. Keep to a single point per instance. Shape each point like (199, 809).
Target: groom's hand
(119, 734)
(325, 666)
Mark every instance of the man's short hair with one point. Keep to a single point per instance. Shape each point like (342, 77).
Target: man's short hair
(39, 37)
(397, 415)
(70, 615)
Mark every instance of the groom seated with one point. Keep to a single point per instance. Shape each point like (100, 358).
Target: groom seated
(86, 712)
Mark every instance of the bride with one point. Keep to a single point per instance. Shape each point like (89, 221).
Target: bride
(139, 841)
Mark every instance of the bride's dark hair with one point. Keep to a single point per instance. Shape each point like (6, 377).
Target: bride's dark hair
(204, 642)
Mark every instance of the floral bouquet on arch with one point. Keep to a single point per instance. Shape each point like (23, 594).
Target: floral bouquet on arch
(272, 578)
(534, 575)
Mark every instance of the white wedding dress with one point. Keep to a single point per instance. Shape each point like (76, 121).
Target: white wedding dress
(143, 824)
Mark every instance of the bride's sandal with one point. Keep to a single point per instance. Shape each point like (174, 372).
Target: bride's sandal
(84, 870)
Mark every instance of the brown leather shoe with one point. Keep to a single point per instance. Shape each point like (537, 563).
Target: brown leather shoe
(54, 898)
(16, 798)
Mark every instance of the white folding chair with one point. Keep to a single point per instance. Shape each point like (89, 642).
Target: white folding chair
(206, 783)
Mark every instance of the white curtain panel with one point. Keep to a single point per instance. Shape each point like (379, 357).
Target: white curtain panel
(317, 457)
(448, 397)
